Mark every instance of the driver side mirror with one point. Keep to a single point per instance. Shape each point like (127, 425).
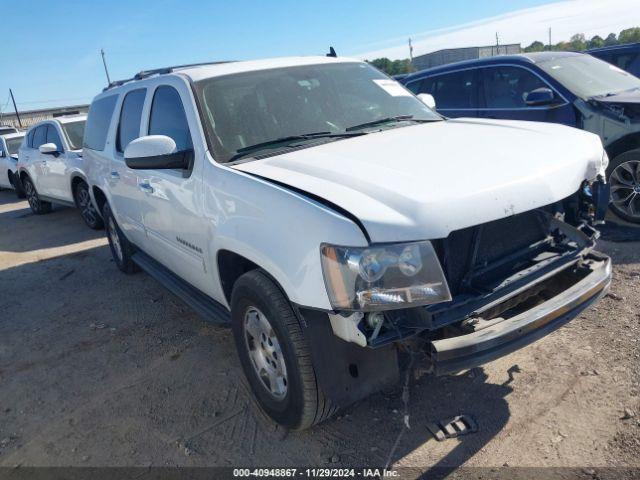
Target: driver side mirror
(48, 149)
(156, 152)
(540, 96)
(428, 100)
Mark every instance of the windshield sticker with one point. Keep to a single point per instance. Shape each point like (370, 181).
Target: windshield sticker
(392, 87)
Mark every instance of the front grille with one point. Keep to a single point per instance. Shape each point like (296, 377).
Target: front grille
(487, 248)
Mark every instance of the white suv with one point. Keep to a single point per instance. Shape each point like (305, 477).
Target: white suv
(51, 167)
(9, 145)
(338, 225)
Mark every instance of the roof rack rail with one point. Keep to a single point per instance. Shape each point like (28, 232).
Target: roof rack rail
(159, 71)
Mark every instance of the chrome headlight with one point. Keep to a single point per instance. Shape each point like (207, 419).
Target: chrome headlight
(383, 277)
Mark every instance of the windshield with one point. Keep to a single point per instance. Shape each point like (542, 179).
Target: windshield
(75, 133)
(255, 108)
(587, 76)
(13, 144)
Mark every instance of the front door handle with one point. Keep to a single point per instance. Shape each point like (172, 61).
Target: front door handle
(115, 175)
(145, 187)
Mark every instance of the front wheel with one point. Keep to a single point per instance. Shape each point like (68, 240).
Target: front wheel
(274, 354)
(624, 179)
(38, 206)
(85, 205)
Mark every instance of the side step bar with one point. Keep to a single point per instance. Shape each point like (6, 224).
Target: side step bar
(203, 305)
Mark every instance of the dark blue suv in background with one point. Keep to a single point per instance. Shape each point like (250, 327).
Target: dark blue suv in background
(627, 57)
(560, 87)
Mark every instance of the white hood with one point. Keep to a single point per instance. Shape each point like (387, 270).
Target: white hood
(425, 181)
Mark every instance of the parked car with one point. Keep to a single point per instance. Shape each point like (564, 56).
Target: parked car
(626, 57)
(4, 129)
(336, 223)
(9, 145)
(51, 167)
(568, 88)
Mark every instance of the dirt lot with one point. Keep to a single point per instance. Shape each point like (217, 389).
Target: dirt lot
(98, 368)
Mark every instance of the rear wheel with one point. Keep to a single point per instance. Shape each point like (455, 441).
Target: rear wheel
(121, 249)
(274, 354)
(624, 179)
(85, 205)
(38, 206)
(17, 185)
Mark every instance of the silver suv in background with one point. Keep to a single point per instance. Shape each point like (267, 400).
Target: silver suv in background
(51, 168)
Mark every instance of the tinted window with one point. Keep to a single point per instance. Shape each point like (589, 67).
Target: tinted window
(97, 127)
(508, 87)
(130, 116)
(168, 117)
(53, 137)
(623, 60)
(452, 90)
(74, 132)
(40, 136)
(30, 138)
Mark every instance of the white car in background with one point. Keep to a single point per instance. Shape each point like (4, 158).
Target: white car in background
(51, 167)
(9, 145)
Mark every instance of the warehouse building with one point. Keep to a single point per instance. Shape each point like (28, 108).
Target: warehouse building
(450, 55)
(30, 117)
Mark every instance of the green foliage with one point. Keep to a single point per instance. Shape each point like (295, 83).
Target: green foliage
(577, 42)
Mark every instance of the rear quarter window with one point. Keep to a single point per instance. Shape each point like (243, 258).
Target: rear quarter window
(98, 121)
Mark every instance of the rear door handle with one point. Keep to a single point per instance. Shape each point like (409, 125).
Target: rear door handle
(145, 187)
(115, 175)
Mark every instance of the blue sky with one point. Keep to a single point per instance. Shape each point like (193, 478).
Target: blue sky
(53, 58)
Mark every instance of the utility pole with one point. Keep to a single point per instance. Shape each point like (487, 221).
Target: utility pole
(15, 108)
(410, 55)
(549, 38)
(104, 62)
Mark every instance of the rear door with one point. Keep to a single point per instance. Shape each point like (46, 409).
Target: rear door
(127, 198)
(503, 93)
(455, 93)
(36, 161)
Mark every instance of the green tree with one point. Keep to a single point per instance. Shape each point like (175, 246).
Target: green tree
(391, 67)
(611, 39)
(630, 35)
(595, 42)
(577, 42)
(535, 47)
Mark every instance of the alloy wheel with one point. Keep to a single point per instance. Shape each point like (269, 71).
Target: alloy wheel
(265, 353)
(625, 188)
(32, 196)
(86, 207)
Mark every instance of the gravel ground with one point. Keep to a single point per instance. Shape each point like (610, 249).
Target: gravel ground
(98, 368)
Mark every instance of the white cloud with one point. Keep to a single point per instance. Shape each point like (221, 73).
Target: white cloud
(591, 17)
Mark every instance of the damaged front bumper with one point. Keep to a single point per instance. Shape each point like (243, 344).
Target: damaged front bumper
(506, 335)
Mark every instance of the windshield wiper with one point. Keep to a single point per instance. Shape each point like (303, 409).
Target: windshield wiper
(244, 151)
(397, 118)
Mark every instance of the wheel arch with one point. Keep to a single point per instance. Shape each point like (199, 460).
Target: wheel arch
(624, 144)
(76, 178)
(99, 198)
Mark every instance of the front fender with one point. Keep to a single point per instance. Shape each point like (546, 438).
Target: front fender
(277, 229)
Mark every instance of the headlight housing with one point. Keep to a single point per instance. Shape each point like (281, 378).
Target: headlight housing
(383, 277)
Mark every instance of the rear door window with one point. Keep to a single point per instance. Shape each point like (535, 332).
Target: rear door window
(457, 90)
(130, 116)
(98, 121)
(508, 87)
(53, 137)
(168, 118)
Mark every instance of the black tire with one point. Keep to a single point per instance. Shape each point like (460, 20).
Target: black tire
(624, 177)
(121, 249)
(304, 404)
(39, 207)
(17, 186)
(88, 212)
